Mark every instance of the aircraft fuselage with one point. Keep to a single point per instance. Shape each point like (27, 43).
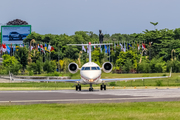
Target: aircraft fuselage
(90, 73)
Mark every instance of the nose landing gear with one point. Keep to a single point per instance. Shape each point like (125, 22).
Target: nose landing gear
(91, 88)
(78, 87)
(103, 86)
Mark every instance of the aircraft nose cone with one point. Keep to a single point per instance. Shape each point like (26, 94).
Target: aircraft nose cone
(92, 75)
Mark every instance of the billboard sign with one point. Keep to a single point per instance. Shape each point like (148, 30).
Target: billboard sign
(14, 34)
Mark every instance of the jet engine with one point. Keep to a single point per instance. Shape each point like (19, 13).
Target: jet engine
(107, 67)
(73, 68)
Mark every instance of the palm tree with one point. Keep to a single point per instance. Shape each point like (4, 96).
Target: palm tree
(154, 24)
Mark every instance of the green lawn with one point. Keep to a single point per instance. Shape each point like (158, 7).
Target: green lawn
(100, 111)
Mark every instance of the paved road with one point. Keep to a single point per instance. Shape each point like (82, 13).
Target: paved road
(71, 96)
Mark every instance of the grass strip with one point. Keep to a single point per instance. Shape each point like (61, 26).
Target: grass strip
(99, 111)
(83, 88)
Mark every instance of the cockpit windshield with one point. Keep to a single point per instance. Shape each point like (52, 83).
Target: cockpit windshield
(98, 68)
(90, 68)
(87, 68)
(93, 68)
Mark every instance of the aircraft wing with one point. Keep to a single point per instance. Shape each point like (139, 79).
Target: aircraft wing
(126, 79)
(51, 80)
(140, 78)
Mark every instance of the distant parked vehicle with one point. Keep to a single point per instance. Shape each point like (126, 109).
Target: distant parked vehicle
(13, 35)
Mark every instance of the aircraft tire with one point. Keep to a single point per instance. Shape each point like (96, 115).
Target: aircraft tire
(76, 88)
(101, 87)
(90, 89)
(104, 87)
(80, 88)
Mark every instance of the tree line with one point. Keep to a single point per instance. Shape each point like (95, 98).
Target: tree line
(162, 52)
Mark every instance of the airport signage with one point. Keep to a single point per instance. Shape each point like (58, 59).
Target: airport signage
(14, 34)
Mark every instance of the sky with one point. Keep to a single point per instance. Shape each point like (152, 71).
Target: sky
(111, 16)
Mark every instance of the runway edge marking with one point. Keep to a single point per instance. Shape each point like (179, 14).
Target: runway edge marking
(62, 100)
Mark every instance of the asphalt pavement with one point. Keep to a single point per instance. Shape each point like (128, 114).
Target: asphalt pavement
(84, 96)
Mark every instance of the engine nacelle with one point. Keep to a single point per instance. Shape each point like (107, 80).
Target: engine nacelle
(107, 67)
(73, 68)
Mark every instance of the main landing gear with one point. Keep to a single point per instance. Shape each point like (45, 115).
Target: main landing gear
(91, 88)
(103, 87)
(78, 87)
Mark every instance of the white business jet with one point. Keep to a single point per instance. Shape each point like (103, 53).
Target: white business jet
(91, 72)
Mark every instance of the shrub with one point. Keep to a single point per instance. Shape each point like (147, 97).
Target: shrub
(112, 83)
(159, 83)
(35, 67)
(3, 71)
(31, 73)
(75, 74)
(128, 66)
(164, 75)
(144, 67)
(54, 74)
(11, 64)
(49, 66)
(158, 65)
